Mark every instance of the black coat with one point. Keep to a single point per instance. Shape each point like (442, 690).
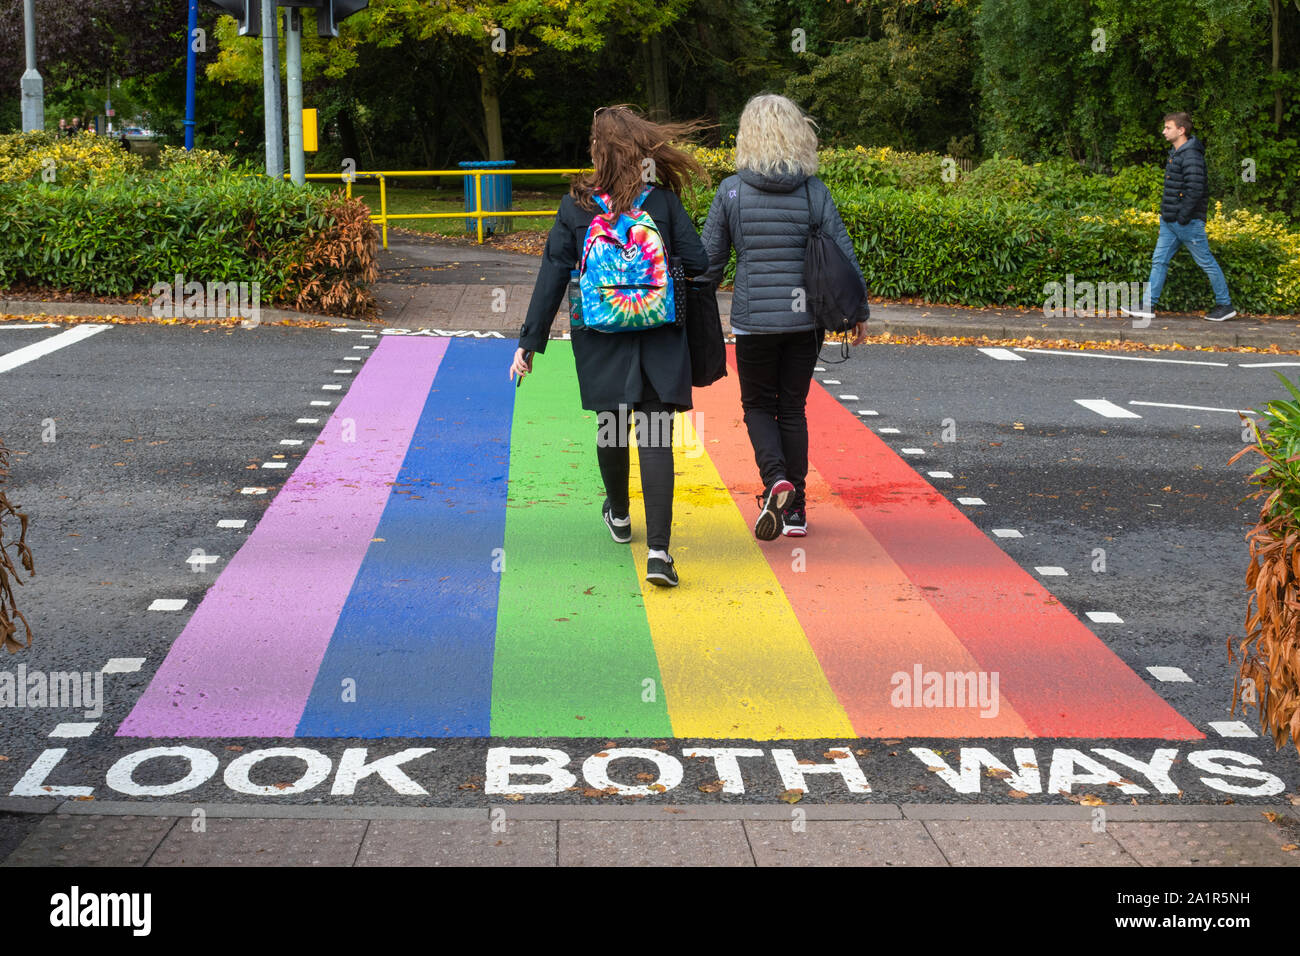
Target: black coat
(612, 366)
(1187, 195)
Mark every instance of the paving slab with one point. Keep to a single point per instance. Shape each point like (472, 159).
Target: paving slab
(652, 843)
(227, 842)
(503, 842)
(842, 843)
(1026, 843)
(59, 840)
(1205, 844)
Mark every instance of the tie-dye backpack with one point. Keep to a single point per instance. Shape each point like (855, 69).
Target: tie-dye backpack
(625, 282)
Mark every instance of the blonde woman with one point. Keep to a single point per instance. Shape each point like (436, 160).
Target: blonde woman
(764, 212)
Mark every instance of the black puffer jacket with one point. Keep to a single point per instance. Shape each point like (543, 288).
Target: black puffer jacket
(1187, 194)
(766, 218)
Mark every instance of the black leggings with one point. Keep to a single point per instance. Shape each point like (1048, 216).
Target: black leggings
(654, 438)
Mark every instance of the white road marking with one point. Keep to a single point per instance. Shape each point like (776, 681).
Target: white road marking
(290, 441)
(332, 388)
(1194, 408)
(1122, 358)
(1104, 617)
(29, 325)
(361, 346)
(939, 474)
(123, 665)
(202, 560)
(867, 411)
(1231, 728)
(322, 401)
(850, 398)
(1105, 408)
(353, 358)
(232, 522)
(30, 353)
(887, 431)
(342, 371)
(308, 421)
(819, 368)
(275, 464)
(1268, 364)
(913, 451)
(1003, 355)
(1007, 533)
(252, 491)
(74, 729)
(970, 501)
(1052, 572)
(1170, 674)
(168, 604)
(831, 381)
(369, 335)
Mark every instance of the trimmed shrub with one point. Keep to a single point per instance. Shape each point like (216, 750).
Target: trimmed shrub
(82, 158)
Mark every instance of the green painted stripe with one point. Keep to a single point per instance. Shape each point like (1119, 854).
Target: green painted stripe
(573, 647)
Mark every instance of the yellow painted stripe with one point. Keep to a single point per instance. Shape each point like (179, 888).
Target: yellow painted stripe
(734, 660)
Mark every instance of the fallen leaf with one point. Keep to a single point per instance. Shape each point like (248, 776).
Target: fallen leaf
(645, 777)
(235, 747)
(1290, 847)
(1270, 817)
(1018, 794)
(999, 773)
(592, 792)
(835, 754)
(657, 787)
(791, 796)
(515, 797)
(862, 753)
(713, 786)
(890, 743)
(808, 763)
(1092, 800)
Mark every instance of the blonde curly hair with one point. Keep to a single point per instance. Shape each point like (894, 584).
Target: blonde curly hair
(776, 136)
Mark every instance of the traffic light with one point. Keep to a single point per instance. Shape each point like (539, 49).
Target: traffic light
(247, 13)
(333, 12)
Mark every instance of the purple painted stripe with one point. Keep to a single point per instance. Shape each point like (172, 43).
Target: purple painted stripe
(244, 664)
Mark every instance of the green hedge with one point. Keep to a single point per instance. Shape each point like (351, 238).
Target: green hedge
(1000, 234)
(120, 237)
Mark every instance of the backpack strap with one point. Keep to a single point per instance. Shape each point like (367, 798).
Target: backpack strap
(642, 198)
(601, 201)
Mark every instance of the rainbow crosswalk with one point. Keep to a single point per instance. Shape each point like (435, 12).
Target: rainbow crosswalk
(436, 566)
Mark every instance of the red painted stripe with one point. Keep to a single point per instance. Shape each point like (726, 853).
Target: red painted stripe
(1058, 675)
(862, 617)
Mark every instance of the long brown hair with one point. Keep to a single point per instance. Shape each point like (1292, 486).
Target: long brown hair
(622, 141)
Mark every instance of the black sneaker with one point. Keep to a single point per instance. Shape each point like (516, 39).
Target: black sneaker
(768, 525)
(661, 572)
(794, 522)
(619, 528)
(1221, 313)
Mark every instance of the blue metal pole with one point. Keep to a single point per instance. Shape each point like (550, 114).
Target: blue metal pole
(191, 65)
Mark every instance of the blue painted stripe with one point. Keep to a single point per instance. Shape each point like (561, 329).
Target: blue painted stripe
(416, 634)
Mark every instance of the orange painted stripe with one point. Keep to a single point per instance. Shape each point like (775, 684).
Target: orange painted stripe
(862, 616)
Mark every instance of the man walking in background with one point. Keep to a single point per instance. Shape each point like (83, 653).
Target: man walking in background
(1182, 221)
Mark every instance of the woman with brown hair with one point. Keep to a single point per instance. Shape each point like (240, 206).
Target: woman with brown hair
(621, 373)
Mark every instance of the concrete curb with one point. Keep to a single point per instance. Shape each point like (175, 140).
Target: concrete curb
(846, 812)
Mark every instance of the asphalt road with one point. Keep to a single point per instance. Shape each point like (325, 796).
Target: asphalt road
(156, 432)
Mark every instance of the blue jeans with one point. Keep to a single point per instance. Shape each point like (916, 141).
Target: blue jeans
(1192, 235)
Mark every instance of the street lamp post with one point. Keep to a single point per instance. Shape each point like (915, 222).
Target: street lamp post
(33, 85)
(191, 65)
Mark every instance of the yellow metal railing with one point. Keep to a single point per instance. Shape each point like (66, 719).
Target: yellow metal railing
(478, 213)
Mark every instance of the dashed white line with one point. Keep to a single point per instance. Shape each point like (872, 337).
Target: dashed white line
(369, 335)
(1106, 408)
(342, 371)
(913, 451)
(275, 464)
(353, 358)
(332, 388)
(831, 381)
(1176, 674)
(168, 604)
(1268, 364)
(867, 411)
(322, 402)
(819, 368)
(1122, 358)
(1232, 728)
(1003, 355)
(252, 491)
(29, 325)
(887, 431)
(1104, 617)
(970, 501)
(123, 665)
(308, 421)
(290, 441)
(361, 346)
(1007, 533)
(939, 474)
(1052, 571)
(850, 398)
(78, 729)
(1195, 408)
(232, 522)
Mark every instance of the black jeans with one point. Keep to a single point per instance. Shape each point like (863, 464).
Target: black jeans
(776, 372)
(653, 422)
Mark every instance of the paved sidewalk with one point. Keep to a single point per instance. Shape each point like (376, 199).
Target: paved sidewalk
(425, 283)
(134, 834)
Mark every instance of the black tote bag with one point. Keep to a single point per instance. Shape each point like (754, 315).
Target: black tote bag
(703, 331)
